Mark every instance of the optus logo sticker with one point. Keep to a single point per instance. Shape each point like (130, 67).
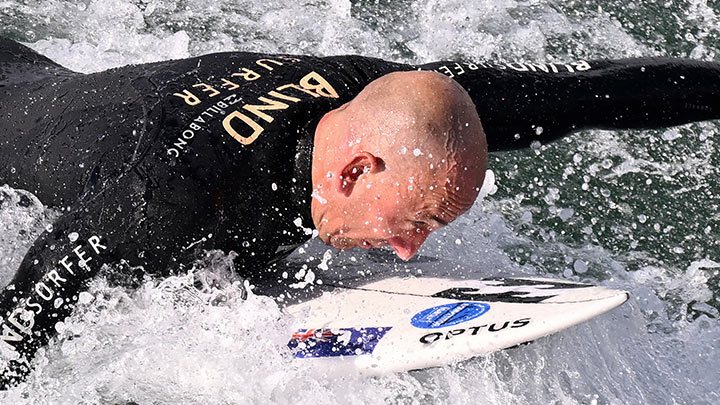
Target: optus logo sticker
(449, 314)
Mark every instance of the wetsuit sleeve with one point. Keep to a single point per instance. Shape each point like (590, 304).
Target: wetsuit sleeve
(54, 272)
(123, 225)
(520, 103)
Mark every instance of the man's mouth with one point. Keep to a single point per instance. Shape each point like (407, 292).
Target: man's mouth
(401, 248)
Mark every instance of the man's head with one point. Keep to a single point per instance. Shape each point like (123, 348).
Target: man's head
(406, 156)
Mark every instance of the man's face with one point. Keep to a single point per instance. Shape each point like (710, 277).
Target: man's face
(389, 167)
(400, 214)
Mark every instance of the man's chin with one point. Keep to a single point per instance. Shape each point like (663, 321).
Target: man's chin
(339, 243)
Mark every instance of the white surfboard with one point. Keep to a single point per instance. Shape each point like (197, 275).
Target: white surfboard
(400, 324)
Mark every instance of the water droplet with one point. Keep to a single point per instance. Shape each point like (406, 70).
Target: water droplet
(85, 298)
(580, 266)
(316, 195)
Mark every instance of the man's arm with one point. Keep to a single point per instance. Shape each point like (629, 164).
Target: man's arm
(520, 103)
(125, 224)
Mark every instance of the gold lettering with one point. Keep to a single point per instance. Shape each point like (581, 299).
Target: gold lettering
(320, 85)
(270, 105)
(229, 85)
(262, 61)
(247, 74)
(295, 86)
(459, 69)
(206, 88)
(283, 96)
(257, 129)
(446, 71)
(189, 98)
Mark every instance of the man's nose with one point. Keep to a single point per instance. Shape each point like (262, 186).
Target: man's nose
(406, 246)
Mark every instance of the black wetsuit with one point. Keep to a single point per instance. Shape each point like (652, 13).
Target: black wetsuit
(151, 164)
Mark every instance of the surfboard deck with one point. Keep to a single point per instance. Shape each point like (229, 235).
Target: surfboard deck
(399, 324)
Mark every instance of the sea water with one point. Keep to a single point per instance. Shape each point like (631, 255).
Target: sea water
(636, 210)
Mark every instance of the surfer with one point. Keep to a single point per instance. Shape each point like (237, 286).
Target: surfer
(150, 165)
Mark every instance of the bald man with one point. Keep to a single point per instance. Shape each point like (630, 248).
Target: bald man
(150, 165)
(390, 167)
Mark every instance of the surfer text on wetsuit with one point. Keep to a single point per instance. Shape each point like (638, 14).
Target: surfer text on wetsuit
(150, 165)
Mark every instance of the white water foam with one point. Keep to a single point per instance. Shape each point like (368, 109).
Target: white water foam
(167, 343)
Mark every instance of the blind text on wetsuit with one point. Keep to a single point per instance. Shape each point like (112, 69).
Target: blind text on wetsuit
(245, 124)
(452, 69)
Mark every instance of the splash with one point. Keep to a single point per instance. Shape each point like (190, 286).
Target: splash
(630, 210)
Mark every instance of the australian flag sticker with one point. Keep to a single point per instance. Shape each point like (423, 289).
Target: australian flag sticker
(309, 343)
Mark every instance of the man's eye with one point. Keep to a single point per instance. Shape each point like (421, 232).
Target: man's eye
(420, 224)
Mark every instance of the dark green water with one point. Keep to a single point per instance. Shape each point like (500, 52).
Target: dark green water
(638, 210)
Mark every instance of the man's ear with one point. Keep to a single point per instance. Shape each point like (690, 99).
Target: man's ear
(360, 164)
